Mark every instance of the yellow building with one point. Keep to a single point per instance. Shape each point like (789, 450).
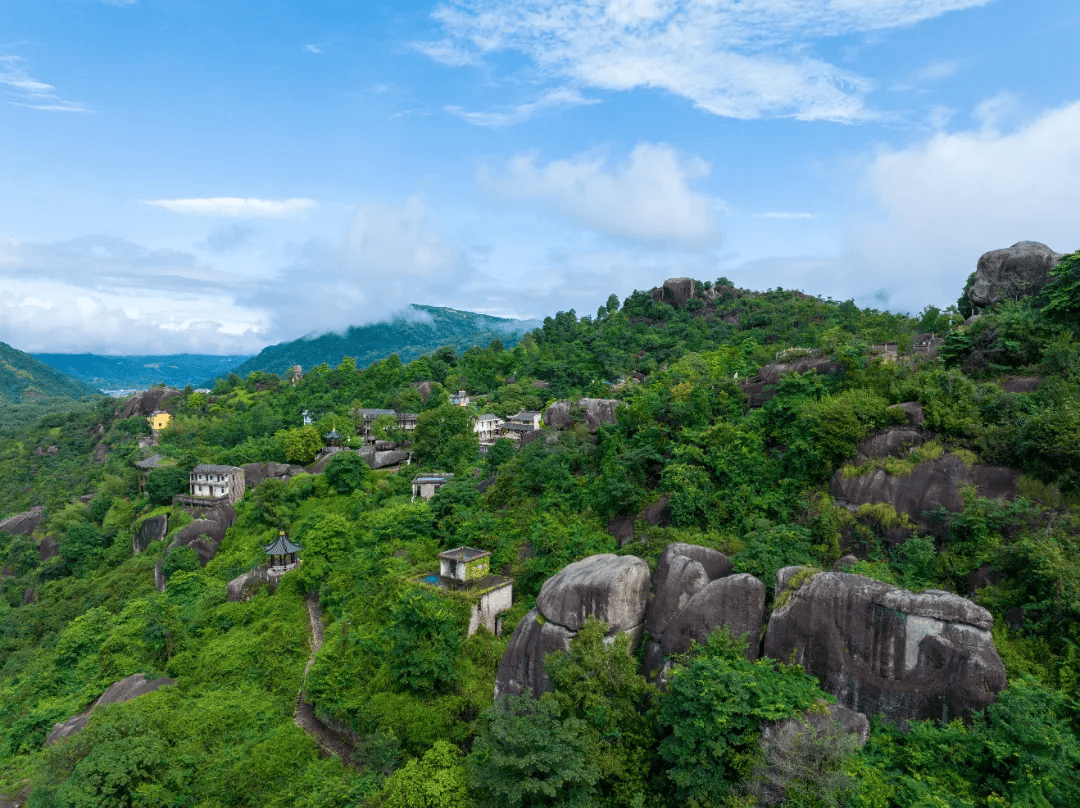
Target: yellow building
(159, 420)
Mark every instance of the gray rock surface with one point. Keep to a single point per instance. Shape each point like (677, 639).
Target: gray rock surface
(913, 411)
(675, 291)
(423, 388)
(936, 482)
(591, 411)
(694, 591)
(244, 587)
(557, 415)
(382, 460)
(737, 601)
(715, 563)
(1011, 273)
(681, 579)
(613, 588)
(206, 534)
(852, 722)
(25, 523)
(894, 441)
(152, 529)
(883, 650)
(522, 666)
(1021, 384)
(48, 548)
(597, 411)
(609, 587)
(125, 690)
(760, 389)
(145, 403)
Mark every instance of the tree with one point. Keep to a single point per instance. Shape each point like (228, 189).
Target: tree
(301, 445)
(439, 780)
(346, 472)
(527, 755)
(426, 638)
(444, 437)
(712, 713)
(1062, 293)
(612, 304)
(162, 484)
(599, 684)
(803, 765)
(81, 548)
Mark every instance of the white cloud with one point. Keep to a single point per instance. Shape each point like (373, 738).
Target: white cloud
(32, 93)
(771, 214)
(938, 70)
(235, 206)
(390, 256)
(312, 48)
(647, 197)
(736, 58)
(49, 317)
(939, 205)
(552, 100)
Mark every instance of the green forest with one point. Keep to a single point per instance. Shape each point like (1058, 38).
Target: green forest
(397, 679)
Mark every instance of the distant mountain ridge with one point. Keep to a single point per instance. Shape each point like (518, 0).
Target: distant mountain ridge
(141, 372)
(24, 378)
(408, 336)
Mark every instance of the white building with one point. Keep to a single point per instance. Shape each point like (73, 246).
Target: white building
(487, 428)
(217, 482)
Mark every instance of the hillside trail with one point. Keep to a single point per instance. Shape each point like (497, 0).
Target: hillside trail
(304, 715)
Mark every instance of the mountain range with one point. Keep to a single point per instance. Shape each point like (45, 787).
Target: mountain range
(417, 331)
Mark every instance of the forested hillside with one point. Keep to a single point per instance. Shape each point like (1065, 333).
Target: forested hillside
(720, 441)
(140, 372)
(26, 379)
(418, 331)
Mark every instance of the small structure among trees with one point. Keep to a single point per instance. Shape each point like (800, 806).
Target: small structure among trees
(283, 554)
(208, 482)
(426, 485)
(468, 570)
(333, 441)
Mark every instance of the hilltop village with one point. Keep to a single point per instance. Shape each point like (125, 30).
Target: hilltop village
(707, 547)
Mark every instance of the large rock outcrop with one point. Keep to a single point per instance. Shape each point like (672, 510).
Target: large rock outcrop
(890, 442)
(612, 588)
(245, 585)
(25, 523)
(153, 528)
(931, 484)
(255, 473)
(762, 388)
(694, 591)
(591, 411)
(1011, 273)
(147, 402)
(205, 535)
(125, 690)
(883, 650)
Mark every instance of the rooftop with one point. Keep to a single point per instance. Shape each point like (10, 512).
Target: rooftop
(210, 468)
(464, 554)
(488, 416)
(282, 546)
(433, 478)
(151, 462)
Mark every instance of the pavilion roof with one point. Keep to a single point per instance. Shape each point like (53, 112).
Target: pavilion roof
(282, 546)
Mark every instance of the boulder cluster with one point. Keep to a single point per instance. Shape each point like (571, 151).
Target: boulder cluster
(878, 649)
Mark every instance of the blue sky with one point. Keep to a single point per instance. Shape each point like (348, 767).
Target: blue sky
(215, 176)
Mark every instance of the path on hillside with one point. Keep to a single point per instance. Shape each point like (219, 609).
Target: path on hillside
(304, 715)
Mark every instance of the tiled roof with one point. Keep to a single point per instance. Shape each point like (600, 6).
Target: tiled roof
(464, 554)
(210, 468)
